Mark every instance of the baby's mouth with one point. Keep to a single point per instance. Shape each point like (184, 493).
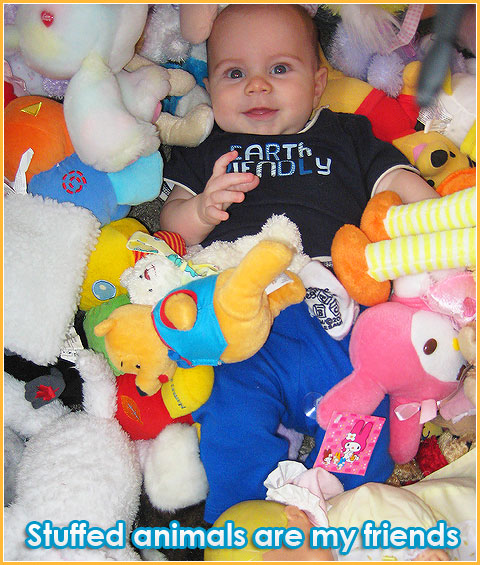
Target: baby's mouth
(260, 113)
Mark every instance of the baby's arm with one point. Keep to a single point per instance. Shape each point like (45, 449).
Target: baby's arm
(194, 217)
(408, 185)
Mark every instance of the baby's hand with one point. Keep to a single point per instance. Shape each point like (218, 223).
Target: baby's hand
(223, 189)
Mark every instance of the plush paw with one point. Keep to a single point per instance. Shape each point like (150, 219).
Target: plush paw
(174, 476)
(142, 141)
(147, 386)
(143, 90)
(350, 266)
(372, 222)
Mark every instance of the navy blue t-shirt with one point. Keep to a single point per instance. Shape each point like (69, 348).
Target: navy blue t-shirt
(321, 178)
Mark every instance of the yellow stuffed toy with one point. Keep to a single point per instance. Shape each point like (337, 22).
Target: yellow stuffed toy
(394, 119)
(222, 318)
(107, 262)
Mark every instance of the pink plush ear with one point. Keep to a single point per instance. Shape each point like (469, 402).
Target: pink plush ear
(196, 21)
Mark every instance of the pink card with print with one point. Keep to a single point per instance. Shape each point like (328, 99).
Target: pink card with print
(348, 443)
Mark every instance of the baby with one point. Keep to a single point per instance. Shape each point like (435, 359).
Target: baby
(271, 152)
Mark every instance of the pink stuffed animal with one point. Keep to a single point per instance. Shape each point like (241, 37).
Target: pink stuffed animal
(410, 354)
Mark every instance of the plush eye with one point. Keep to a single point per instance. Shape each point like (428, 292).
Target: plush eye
(47, 18)
(279, 69)
(235, 73)
(430, 346)
(137, 366)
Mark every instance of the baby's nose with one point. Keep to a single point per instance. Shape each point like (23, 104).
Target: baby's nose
(257, 84)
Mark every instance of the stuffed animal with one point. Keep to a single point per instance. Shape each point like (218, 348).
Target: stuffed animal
(35, 123)
(112, 257)
(433, 155)
(435, 451)
(163, 44)
(47, 245)
(163, 269)
(467, 340)
(93, 44)
(410, 354)
(379, 55)
(74, 466)
(453, 113)
(110, 113)
(107, 262)
(395, 240)
(193, 119)
(233, 305)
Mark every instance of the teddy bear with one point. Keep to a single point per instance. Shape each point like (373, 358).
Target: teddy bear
(163, 44)
(233, 305)
(467, 340)
(110, 113)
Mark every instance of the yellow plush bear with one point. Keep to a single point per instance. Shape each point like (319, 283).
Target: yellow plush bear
(222, 318)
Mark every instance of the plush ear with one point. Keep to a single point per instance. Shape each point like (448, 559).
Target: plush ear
(181, 311)
(104, 327)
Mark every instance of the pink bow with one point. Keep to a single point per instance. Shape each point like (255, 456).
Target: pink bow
(428, 410)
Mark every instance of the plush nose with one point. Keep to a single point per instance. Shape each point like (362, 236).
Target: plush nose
(257, 84)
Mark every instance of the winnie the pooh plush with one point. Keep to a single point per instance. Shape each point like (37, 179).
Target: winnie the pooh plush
(222, 318)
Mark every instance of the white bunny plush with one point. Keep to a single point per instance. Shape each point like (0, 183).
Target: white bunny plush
(111, 113)
(89, 44)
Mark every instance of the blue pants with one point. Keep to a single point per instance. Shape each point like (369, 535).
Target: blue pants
(239, 445)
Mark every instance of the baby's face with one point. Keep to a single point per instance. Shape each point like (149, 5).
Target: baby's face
(263, 75)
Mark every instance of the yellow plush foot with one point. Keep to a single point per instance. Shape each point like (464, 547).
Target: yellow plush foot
(350, 265)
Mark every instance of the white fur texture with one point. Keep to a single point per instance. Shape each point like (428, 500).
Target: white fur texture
(13, 446)
(174, 476)
(163, 276)
(47, 246)
(76, 467)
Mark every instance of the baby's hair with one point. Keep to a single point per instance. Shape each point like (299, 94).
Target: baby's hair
(310, 27)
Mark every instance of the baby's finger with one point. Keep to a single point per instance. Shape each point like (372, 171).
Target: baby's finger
(215, 215)
(232, 181)
(222, 163)
(226, 197)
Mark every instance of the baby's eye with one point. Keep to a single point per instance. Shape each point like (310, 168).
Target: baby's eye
(234, 73)
(279, 69)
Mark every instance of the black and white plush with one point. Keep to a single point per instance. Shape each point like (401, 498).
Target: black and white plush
(74, 466)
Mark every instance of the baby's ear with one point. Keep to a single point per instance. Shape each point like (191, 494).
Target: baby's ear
(207, 84)
(321, 76)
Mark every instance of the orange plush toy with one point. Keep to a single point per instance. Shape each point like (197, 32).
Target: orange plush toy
(34, 122)
(396, 240)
